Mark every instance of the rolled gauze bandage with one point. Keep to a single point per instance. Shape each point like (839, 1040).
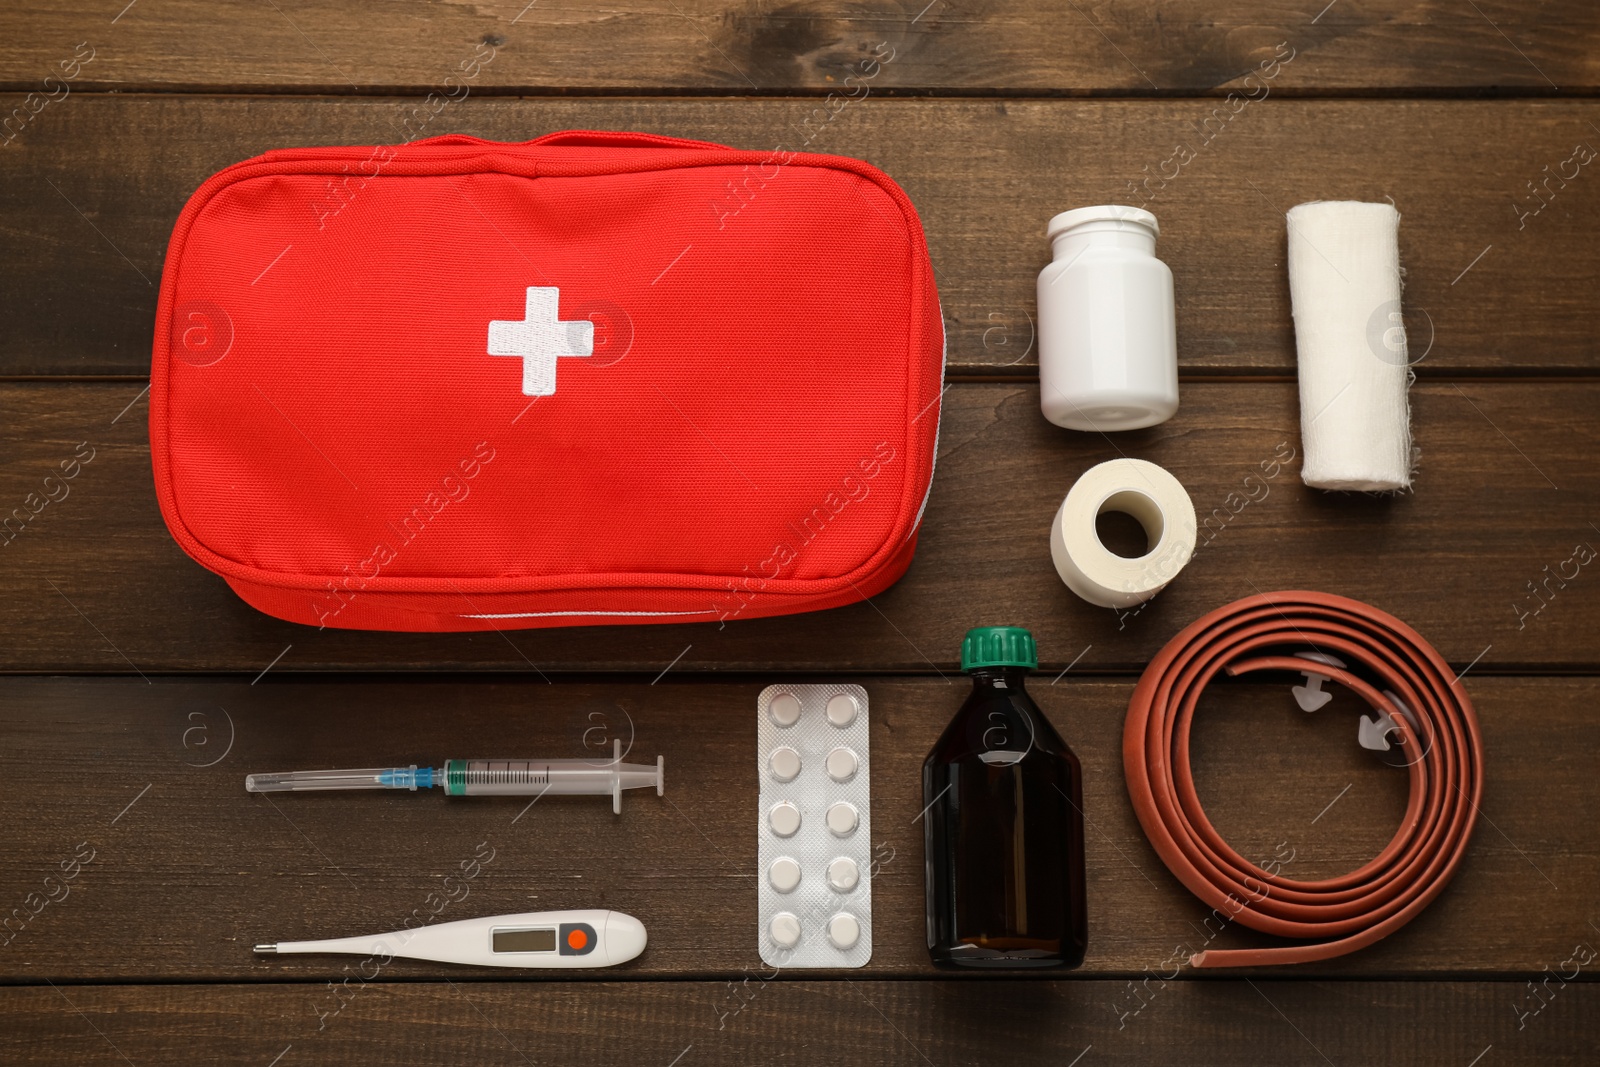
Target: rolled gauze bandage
(1344, 280)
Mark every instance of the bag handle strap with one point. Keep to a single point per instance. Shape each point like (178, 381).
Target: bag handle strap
(620, 139)
(582, 139)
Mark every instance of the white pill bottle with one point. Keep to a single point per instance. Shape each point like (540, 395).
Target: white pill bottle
(1108, 337)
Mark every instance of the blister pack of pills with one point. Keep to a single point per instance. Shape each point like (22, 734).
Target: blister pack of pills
(814, 826)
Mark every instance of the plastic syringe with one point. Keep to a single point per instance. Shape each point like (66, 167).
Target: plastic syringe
(483, 777)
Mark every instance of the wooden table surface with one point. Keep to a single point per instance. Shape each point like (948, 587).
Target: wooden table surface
(135, 689)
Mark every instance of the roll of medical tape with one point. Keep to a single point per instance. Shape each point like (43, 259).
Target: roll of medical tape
(1137, 488)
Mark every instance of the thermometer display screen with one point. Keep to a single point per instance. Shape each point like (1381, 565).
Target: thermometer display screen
(542, 939)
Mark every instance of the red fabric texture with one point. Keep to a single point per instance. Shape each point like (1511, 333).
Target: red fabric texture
(752, 432)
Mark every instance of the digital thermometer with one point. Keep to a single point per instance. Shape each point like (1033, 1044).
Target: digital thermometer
(591, 938)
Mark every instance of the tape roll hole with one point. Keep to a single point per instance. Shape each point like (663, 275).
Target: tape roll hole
(1129, 524)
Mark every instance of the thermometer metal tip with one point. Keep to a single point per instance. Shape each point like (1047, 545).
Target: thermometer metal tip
(267, 950)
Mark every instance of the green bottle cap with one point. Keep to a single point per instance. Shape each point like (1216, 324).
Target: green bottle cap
(998, 646)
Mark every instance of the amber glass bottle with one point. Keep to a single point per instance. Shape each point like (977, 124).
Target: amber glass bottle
(1004, 822)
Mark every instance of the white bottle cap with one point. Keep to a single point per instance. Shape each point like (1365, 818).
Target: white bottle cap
(1080, 216)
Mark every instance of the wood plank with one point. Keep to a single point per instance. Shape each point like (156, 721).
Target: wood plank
(91, 187)
(859, 1022)
(95, 582)
(968, 46)
(190, 870)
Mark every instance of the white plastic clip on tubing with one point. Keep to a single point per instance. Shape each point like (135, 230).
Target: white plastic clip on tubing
(1344, 280)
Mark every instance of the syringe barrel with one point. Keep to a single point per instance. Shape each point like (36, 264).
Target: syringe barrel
(486, 777)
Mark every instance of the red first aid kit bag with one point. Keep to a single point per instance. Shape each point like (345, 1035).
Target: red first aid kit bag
(590, 378)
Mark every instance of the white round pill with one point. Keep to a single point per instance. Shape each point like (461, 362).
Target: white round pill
(784, 819)
(843, 874)
(842, 710)
(844, 931)
(841, 765)
(784, 874)
(785, 930)
(841, 819)
(785, 763)
(785, 709)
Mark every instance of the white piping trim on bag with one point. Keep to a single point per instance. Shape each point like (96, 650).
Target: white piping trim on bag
(544, 614)
(933, 462)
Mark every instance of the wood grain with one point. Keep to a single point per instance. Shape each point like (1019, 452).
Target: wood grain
(189, 870)
(90, 189)
(755, 46)
(95, 583)
(981, 109)
(860, 1022)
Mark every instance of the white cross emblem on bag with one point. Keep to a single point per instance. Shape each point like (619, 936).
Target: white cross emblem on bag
(539, 339)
